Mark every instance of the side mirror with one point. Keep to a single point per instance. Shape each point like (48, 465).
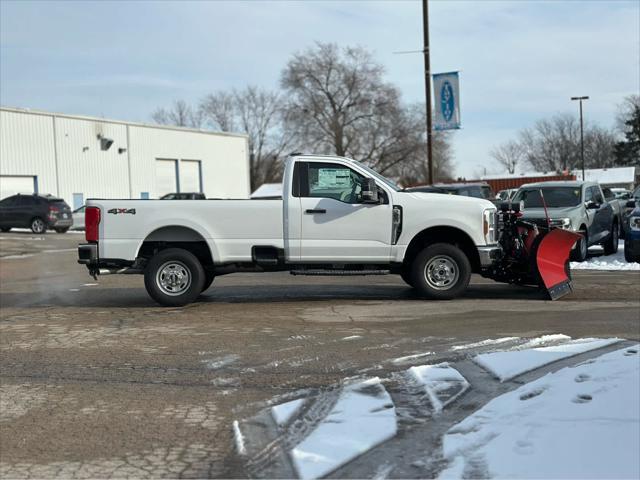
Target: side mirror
(370, 191)
(591, 205)
(631, 204)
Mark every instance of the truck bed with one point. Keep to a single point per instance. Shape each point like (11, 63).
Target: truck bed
(236, 225)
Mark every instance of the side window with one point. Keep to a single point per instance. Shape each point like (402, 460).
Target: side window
(588, 195)
(597, 195)
(25, 201)
(608, 194)
(332, 180)
(8, 202)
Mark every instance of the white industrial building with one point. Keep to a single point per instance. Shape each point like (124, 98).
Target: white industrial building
(77, 158)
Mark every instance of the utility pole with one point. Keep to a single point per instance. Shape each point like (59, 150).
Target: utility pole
(427, 86)
(581, 132)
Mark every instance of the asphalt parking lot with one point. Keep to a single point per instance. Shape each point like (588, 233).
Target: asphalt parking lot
(98, 381)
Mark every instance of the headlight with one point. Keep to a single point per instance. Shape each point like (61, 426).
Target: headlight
(490, 226)
(564, 223)
(634, 223)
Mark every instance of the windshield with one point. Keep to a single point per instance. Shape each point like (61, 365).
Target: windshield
(555, 197)
(376, 175)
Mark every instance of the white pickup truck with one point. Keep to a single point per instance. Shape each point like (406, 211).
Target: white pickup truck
(336, 217)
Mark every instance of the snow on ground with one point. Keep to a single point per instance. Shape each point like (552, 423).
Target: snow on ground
(609, 262)
(442, 383)
(285, 411)
(238, 438)
(510, 364)
(485, 343)
(410, 358)
(363, 417)
(579, 422)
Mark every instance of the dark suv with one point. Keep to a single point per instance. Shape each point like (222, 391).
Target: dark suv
(37, 212)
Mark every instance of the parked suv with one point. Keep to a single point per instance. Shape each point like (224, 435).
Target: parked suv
(184, 196)
(576, 205)
(37, 212)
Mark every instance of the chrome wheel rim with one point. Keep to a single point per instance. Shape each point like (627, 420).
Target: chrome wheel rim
(173, 278)
(37, 225)
(441, 272)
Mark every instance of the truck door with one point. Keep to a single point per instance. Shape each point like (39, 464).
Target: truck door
(600, 218)
(335, 226)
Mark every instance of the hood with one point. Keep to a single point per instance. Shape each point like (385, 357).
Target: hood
(444, 198)
(553, 212)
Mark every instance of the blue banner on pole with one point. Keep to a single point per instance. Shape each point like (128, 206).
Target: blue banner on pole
(446, 89)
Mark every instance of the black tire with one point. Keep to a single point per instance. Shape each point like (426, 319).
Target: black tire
(611, 244)
(441, 271)
(38, 225)
(208, 280)
(627, 253)
(5, 229)
(61, 230)
(579, 254)
(407, 276)
(174, 277)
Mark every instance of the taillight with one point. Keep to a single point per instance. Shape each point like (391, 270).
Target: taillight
(91, 223)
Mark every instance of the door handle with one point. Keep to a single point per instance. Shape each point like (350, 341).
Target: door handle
(317, 210)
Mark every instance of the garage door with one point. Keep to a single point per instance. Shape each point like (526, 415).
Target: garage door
(190, 176)
(10, 185)
(166, 178)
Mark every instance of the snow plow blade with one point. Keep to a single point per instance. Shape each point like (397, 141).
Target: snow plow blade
(552, 261)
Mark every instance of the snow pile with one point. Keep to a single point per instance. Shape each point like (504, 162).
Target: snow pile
(485, 343)
(510, 364)
(285, 411)
(363, 417)
(442, 383)
(609, 262)
(579, 422)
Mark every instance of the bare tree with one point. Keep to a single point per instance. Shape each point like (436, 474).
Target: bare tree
(626, 110)
(340, 104)
(179, 114)
(508, 155)
(259, 114)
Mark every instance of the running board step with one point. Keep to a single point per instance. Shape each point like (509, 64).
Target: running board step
(340, 273)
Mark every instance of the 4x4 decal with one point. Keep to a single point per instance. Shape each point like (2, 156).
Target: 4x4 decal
(116, 211)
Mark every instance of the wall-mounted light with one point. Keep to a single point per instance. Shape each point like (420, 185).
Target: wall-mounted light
(121, 150)
(105, 143)
(84, 149)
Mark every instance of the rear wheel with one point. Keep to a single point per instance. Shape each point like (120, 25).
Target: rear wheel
(579, 253)
(38, 225)
(174, 277)
(61, 230)
(441, 271)
(611, 245)
(5, 229)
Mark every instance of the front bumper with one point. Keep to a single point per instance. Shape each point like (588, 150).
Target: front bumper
(488, 255)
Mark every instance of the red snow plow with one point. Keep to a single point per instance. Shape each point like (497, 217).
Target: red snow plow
(533, 254)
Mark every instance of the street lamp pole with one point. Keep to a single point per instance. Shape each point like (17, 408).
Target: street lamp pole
(427, 86)
(581, 132)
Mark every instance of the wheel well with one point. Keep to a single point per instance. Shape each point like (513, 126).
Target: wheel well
(450, 235)
(176, 237)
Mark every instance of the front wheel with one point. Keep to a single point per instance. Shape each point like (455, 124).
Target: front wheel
(209, 278)
(5, 229)
(174, 277)
(579, 253)
(441, 271)
(628, 256)
(38, 225)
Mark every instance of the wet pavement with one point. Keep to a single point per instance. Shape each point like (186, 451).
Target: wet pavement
(98, 381)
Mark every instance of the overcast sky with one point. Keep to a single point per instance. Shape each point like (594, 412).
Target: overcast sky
(519, 61)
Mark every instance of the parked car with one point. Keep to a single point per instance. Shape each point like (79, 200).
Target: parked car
(506, 195)
(573, 205)
(78, 218)
(477, 190)
(629, 206)
(632, 237)
(621, 193)
(37, 212)
(184, 196)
